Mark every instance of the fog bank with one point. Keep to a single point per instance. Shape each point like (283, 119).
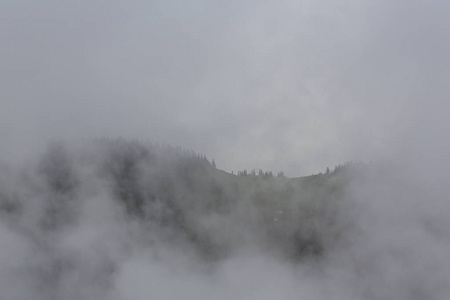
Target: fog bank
(113, 219)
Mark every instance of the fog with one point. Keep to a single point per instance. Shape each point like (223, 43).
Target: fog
(93, 207)
(117, 219)
(282, 86)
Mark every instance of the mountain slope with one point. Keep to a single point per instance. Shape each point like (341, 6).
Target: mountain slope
(178, 196)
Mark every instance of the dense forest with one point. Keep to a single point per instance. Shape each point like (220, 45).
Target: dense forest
(91, 219)
(178, 196)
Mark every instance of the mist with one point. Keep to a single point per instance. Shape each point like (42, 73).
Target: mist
(101, 196)
(118, 219)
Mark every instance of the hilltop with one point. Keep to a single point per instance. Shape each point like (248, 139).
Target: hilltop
(176, 197)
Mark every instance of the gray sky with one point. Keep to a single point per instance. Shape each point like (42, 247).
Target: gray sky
(280, 85)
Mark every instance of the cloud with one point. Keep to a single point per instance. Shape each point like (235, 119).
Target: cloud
(296, 86)
(112, 219)
(293, 86)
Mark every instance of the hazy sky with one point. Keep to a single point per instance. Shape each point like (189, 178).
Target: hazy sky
(280, 85)
(297, 86)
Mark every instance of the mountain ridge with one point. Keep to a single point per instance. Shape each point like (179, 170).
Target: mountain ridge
(179, 196)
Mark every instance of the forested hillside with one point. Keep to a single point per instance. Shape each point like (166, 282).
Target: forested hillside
(177, 196)
(117, 219)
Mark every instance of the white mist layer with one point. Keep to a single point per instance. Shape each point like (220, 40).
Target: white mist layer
(395, 246)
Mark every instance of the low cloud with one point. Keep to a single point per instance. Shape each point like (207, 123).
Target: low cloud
(121, 220)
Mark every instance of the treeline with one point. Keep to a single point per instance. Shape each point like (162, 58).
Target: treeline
(136, 146)
(260, 173)
(347, 166)
(178, 195)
